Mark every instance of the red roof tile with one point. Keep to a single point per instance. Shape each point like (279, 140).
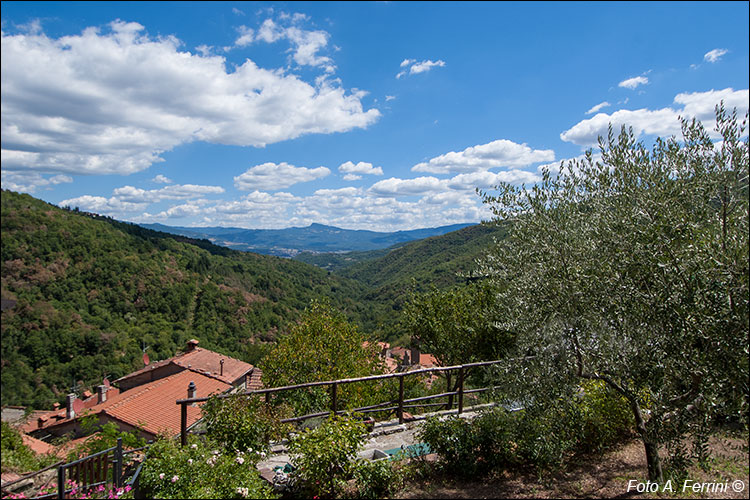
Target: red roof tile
(152, 404)
(427, 360)
(202, 361)
(37, 445)
(255, 383)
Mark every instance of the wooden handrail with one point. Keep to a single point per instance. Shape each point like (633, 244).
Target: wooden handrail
(335, 383)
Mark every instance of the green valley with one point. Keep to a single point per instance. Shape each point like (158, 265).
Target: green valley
(83, 295)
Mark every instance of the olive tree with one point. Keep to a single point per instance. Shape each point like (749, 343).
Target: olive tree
(632, 268)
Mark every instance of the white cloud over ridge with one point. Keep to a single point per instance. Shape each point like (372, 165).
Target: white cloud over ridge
(498, 153)
(29, 182)
(662, 122)
(112, 101)
(272, 176)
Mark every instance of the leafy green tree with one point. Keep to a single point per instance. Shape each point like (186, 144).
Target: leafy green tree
(632, 269)
(322, 346)
(459, 325)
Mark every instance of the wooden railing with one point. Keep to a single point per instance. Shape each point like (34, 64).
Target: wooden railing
(399, 404)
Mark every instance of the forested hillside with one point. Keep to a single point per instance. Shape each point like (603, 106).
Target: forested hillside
(83, 294)
(439, 262)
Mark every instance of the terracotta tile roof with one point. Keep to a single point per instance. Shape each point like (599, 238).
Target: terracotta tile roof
(152, 404)
(37, 445)
(255, 381)
(202, 361)
(399, 352)
(427, 360)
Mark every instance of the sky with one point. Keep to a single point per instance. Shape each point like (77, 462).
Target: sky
(362, 115)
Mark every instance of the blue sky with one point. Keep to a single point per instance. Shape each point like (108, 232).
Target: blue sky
(362, 115)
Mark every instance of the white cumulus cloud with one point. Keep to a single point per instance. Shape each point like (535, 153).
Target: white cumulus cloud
(414, 67)
(498, 153)
(663, 122)
(634, 82)
(714, 55)
(111, 101)
(272, 176)
(596, 108)
(361, 167)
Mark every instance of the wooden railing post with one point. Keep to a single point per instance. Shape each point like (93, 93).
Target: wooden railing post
(460, 389)
(117, 469)
(448, 388)
(61, 482)
(183, 424)
(333, 398)
(401, 399)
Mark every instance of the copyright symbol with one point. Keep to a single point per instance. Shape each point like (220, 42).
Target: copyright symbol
(738, 485)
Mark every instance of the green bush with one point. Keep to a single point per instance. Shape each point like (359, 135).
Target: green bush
(378, 479)
(242, 424)
(18, 457)
(604, 417)
(454, 440)
(324, 457)
(541, 436)
(199, 470)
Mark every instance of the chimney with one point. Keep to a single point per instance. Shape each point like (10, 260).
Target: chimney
(101, 394)
(56, 406)
(222, 367)
(414, 356)
(69, 411)
(191, 345)
(191, 390)
(41, 421)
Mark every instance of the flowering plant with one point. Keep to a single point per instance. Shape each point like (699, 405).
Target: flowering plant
(199, 470)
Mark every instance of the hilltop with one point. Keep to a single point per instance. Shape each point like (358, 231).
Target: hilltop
(315, 238)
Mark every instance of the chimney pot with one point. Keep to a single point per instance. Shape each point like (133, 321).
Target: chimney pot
(101, 394)
(69, 411)
(192, 344)
(191, 390)
(222, 367)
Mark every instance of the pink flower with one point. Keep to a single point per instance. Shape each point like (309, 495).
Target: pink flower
(161, 476)
(240, 460)
(175, 478)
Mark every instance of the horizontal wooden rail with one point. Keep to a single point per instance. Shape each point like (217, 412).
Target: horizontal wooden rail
(459, 392)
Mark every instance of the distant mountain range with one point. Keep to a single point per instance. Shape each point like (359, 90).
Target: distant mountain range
(315, 238)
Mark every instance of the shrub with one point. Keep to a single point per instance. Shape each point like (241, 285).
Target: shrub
(324, 457)
(539, 435)
(242, 424)
(378, 479)
(18, 457)
(454, 440)
(198, 470)
(604, 417)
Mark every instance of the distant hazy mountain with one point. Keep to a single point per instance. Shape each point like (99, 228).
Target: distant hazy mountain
(315, 238)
